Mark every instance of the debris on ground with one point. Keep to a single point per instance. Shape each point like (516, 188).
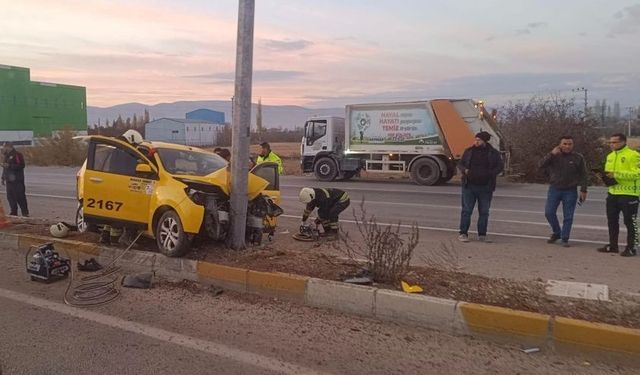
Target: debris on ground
(572, 289)
(90, 265)
(215, 291)
(530, 350)
(320, 260)
(140, 280)
(365, 280)
(411, 288)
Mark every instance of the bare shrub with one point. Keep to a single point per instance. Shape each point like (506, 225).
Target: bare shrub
(386, 251)
(445, 257)
(60, 149)
(532, 129)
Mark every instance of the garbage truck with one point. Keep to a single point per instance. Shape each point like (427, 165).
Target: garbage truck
(423, 139)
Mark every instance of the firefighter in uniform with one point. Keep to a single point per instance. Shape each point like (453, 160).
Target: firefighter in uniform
(329, 202)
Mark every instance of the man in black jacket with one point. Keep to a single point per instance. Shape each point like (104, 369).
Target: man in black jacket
(566, 170)
(330, 203)
(13, 178)
(480, 165)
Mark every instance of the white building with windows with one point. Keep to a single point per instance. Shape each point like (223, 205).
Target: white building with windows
(190, 132)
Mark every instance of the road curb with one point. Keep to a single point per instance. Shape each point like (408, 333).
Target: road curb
(445, 315)
(596, 335)
(338, 296)
(493, 319)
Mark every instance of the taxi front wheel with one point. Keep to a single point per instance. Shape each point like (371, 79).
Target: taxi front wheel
(171, 239)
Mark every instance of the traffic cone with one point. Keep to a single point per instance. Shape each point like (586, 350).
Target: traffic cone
(3, 218)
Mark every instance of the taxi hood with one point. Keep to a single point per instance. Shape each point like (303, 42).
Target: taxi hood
(222, 179)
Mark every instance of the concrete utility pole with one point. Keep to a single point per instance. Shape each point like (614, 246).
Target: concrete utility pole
(241, 125)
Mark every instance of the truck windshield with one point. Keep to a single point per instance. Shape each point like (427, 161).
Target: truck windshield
(190, 162)
(315, 130)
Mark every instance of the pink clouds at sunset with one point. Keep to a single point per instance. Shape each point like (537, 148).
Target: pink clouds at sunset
(319, 53)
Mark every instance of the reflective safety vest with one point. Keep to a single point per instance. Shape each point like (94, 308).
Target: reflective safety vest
(623, 164)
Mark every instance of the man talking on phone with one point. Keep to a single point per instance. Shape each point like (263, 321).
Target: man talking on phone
(566, 170)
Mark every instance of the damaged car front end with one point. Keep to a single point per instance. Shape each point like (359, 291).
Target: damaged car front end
(173, 193)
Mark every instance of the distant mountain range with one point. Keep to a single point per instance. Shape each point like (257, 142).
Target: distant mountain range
(285, 116)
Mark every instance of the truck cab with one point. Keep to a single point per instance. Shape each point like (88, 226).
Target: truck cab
(322, 148)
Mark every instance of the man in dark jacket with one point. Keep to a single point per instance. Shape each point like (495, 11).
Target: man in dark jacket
(13, 178)
(480, 165)
(330, 203)
(566, 170)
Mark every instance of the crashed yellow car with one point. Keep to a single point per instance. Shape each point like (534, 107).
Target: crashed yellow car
(171, 192)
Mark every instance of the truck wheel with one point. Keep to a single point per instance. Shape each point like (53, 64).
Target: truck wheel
(444, 179)
(425, 171)
(171, 239)
(326, 169)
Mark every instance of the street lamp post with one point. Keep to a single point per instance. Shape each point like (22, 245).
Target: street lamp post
(584, 116)
(631, 112)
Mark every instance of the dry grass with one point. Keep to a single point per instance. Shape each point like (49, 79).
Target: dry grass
(282, 149)
(59, 150)
(633, 142)
(289, 152)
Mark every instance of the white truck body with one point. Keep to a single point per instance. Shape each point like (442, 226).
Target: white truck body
(423, 138)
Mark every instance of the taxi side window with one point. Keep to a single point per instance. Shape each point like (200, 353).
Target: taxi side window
(111, 159)
(270, 173)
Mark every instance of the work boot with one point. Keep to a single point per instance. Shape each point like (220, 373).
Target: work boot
(126, 238)
(553, 238)
(608, 249)
(484, 239)
(329, 233)
(628, 252)
(565, 243)
(463, 238)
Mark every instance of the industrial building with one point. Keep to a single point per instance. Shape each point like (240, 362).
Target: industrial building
(30, 109)
(190, 132)
(209, 115)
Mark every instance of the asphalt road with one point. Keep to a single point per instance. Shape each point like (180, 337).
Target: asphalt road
(517, 209)
(168, 330)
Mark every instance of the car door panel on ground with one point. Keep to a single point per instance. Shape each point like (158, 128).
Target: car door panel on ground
(112, 188)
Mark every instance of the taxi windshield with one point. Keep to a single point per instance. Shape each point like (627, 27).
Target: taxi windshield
(184, 162)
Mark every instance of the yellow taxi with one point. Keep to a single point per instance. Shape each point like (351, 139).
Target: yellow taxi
(171, 192)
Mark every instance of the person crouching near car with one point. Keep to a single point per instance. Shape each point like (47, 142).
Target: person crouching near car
(329, 202)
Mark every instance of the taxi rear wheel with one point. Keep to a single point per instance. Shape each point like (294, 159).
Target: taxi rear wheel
(170, 236)
(81, 224)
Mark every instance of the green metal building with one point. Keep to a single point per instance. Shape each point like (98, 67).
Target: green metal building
(38, 108)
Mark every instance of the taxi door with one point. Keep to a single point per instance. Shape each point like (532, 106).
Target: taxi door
(114, 193)
(269, 171)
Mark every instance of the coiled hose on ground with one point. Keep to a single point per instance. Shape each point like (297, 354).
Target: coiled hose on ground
(96, 289)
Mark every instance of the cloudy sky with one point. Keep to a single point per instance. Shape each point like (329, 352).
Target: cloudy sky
(330, 52)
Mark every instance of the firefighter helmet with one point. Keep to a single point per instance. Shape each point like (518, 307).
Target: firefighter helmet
(306, 195)
(133, 137)
(59, 230)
